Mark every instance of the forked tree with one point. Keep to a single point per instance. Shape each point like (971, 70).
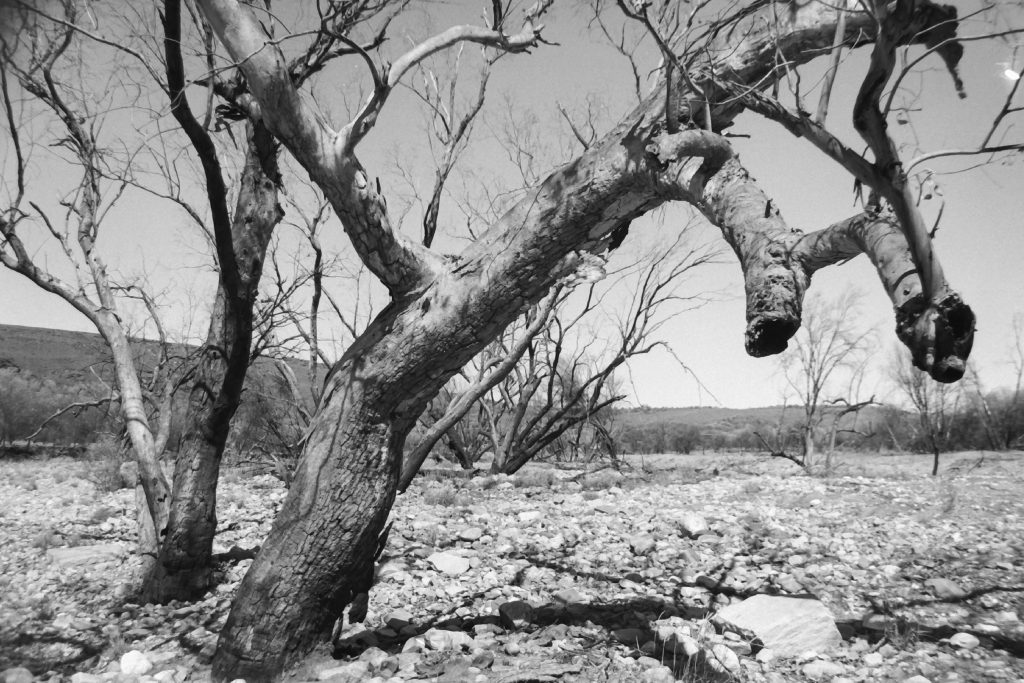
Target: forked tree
(446, 307)
(42, 50)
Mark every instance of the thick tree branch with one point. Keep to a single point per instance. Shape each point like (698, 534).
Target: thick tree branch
(401, 264)
(465, 400)
(202, 143)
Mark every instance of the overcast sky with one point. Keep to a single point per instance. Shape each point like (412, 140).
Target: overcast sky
(980, 238)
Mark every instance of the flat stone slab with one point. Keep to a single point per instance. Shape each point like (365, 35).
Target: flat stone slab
(87, 555)
(789, 626)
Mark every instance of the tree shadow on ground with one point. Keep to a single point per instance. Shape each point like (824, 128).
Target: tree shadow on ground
(597, 625)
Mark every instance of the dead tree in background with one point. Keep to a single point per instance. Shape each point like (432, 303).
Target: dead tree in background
(827, 345)
(936, 407)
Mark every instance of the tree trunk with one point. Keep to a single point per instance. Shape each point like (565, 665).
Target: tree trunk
(808, 454)
(152, 491)
(320, 553)
(184, 566)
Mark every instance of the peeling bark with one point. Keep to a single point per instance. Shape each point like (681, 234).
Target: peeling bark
(184, 566)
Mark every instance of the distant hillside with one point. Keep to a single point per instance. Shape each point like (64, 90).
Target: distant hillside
(75, 360)
(64, 355)
(661, 430)
(43, 370)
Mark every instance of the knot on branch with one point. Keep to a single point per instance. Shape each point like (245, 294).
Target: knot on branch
(939, 335)
(669, 148)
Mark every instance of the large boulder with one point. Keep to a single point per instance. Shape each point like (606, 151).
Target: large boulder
(789, 626)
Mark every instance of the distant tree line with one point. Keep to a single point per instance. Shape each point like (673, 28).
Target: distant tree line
(977, 421)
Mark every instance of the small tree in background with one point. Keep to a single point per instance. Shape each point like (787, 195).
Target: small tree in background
(828, 348)
(935, 405)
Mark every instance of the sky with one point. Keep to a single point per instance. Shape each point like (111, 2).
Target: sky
(980, 238)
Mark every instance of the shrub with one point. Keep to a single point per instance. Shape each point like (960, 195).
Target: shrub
(444, 495)
(102, 466)
(535, 478)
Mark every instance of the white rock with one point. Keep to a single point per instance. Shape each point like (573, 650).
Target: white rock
(354, 671)
(820, 669)
(82, 677)
(693, 524)
(18, 674)
(134, 663)
(873, 659)
(87, 555)
(789, 626)
(439, 639)
(964, 641)
(449, 563)
(726, 657)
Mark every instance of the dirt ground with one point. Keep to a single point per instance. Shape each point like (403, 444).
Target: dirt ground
(599, 565)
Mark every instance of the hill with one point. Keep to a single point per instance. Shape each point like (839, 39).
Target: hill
(43, 370)
(76, 362)
(82, 356)
(661, 430)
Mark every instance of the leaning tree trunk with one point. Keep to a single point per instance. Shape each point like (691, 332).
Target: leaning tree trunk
(152, 494)
(320, 552)
(319, 555)
(184, 568)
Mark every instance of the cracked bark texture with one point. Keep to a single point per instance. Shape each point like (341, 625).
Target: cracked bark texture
(320, 553)
(186, 545)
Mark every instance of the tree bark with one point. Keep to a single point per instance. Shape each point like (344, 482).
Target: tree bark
(184, 567)
(320, 552)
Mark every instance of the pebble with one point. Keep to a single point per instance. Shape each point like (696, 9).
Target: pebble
(564, 561)
(964, 641)
(873, 659)
(449, 563)
(820, 669)
(439, 639)
(17, 674)
(693, 524)
(642, 545)
(944, 589)
(134, 663)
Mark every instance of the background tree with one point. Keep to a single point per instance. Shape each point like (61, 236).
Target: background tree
(43, 55)
(545, 384)
(34, 56)
(936, 408)
(828, 345)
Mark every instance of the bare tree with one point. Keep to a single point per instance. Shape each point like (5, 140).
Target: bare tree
(178, 545)
(1002, 412)
(827, 345)
(32, 57)
(446, 309)
(936, 407)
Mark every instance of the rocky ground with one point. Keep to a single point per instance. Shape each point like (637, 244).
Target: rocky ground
(675, 569)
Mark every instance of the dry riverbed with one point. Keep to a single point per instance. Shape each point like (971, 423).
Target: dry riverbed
(563, 575)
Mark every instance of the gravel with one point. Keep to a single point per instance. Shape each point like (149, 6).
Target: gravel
(617, 578)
